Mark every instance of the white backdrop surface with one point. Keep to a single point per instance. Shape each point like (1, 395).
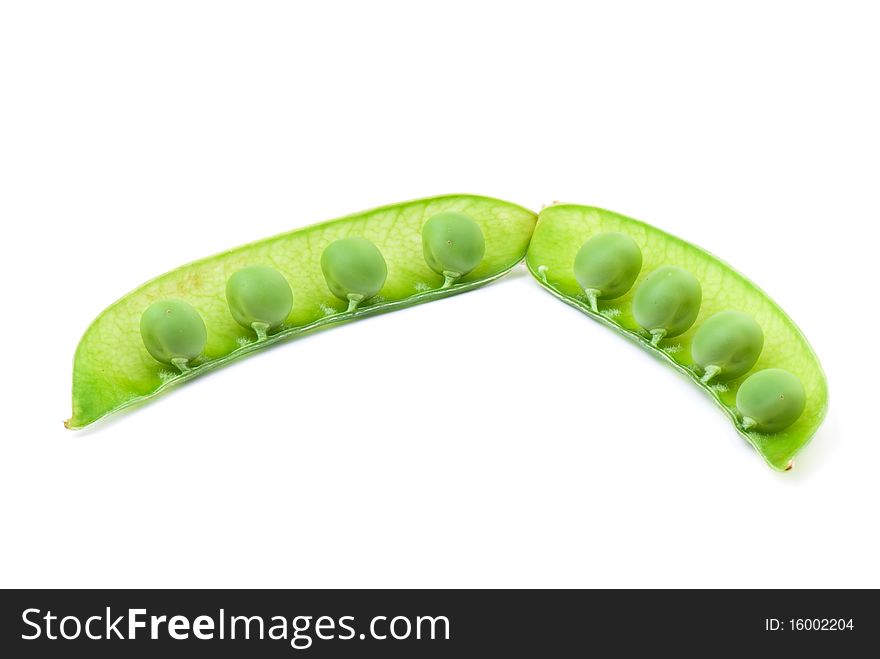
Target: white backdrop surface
(498, 438)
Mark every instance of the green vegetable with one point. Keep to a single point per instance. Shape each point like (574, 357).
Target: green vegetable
(606, 266)
(259, 298)
(561, 231)
(173, 332)
(667, 302)
(453, 245)
(727, 345)
(113, 369)
(770, 400)
(354, 270)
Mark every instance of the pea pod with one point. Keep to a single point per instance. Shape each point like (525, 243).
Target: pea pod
(113, 368)
(561, 232)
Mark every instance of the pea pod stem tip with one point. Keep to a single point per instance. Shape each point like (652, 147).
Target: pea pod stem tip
(710, 372)
(657, 336)
(593, 297)
(182, 364)
(450, 278)
(354, 299)
(262, 330)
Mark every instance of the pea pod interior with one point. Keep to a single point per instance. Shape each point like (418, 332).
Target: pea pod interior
(113, 370)
(561, 231)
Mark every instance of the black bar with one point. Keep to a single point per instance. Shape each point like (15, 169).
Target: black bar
(497, 622)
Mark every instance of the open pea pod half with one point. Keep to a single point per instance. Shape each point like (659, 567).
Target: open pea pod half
(379, 262)
(600, 240)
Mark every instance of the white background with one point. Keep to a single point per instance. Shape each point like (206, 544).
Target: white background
(499, 438)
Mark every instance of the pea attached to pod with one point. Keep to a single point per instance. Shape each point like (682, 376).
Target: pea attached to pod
(727, 345)
(354, 270)
(606, 266)
(112, 369)
(770, 400)
(718, 344)
(259, 298)
(173, 333)
(667, 303)
(453, 245)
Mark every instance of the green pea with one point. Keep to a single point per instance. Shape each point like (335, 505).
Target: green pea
(727, 345)
(173, 332)
(259, 298)
(770, 400)
(667, 302)
(606, 266)
(453, 245)
(354, 269)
